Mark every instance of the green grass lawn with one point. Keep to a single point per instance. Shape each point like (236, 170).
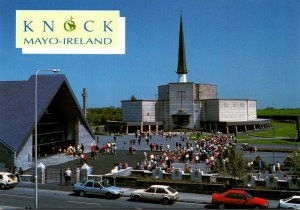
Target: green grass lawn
(268, 141)
(278, 112)
(284, 132)
(279, 129)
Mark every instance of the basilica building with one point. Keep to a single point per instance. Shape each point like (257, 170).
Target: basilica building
(189, 105)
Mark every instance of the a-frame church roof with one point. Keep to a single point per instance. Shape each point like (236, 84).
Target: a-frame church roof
(17, 106)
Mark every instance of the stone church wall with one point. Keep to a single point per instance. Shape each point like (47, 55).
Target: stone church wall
(210, 110)
(85, 138)
(148, 113)
(24, 158)
(203, 91)
(184, 91)
(237, 110)
(252, 111)
(197, 114)
(163, 92)
(132, 111)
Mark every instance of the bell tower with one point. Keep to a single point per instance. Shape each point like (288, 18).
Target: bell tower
(181, 69)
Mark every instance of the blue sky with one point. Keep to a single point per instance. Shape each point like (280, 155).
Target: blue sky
(248, 48)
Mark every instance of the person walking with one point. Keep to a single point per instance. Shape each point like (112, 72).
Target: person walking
(278, 166)
(67, 175)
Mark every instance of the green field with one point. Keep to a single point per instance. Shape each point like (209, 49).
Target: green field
(281, 133)
(279, 129)
(278, 112)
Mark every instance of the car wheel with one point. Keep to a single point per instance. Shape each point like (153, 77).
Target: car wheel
(257, 207)
(108, 195)
(136, 198)
(166, 201)
(221, 206)
(81, 193)
(2, 186)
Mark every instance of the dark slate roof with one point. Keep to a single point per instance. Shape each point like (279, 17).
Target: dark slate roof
(17, 102)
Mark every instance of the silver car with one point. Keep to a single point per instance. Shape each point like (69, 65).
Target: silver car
(92, 187)
(292, 202)
(7, 180)
(163, 193)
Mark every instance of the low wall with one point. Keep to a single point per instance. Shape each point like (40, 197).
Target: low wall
(200, 188)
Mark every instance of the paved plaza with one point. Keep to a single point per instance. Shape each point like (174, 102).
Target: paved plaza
(106, 162)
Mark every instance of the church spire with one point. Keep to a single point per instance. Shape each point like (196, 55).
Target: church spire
(181, 69)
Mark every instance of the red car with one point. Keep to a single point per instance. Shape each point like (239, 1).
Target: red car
(238, 199)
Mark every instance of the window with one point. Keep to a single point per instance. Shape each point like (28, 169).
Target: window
(248, 195)
(171, 190)
(294, 200)
(150, 190)
(160, 190)
(89, 184)
(240, 197)
(231, 195)
(97, 185)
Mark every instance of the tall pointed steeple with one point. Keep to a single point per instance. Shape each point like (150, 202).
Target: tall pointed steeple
(181, 69)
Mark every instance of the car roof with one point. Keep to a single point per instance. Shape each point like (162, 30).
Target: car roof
(161, 186)
(236, 191)
(5, 173)
(295, 196)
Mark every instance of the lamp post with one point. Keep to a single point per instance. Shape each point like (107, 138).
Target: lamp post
(35, 133)
(274, 138)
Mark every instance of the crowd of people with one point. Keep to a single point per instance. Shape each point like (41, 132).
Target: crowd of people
(110, 148)
(73, 150)
(208, 150)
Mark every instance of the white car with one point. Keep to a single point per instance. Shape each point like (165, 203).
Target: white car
(292, 202)
(162, 193)
(7, 180)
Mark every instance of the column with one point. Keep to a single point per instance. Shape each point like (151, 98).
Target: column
(77, 136)
(216, 127)
(142, 129)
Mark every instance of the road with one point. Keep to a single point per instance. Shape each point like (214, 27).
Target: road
(19, 198)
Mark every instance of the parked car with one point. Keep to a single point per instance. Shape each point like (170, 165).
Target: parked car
(7, 180)
(162, 193)
(292, 202)
(92, 187)
(238, 199)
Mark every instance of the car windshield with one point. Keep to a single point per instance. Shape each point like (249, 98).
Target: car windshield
(248, 195)
(287, 199)
(171, 190)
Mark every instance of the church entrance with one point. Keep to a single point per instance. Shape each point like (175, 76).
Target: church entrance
(181, 119)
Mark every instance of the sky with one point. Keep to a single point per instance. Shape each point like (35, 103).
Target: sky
(248, 48)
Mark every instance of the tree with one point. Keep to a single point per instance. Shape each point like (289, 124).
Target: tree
(98, 116)
(133, 98)
(233, 164)
(294, 162)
